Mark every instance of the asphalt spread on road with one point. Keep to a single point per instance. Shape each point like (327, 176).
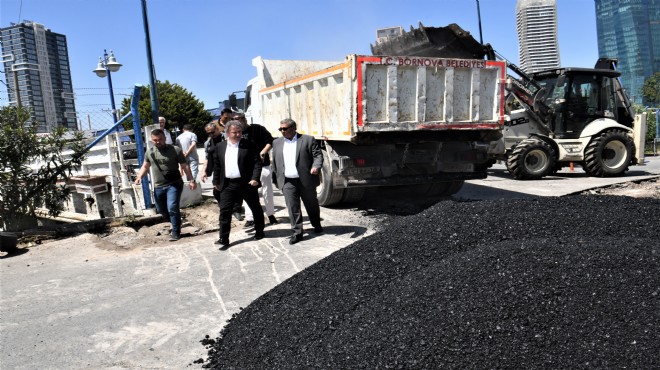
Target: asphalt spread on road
(569, 282)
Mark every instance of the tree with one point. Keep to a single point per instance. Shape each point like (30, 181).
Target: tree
(23, 188)
(176, 104)
(651, 89)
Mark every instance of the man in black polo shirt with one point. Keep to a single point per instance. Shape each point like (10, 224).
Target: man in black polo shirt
(262, 141)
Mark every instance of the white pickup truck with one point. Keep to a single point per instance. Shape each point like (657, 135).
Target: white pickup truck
(423, 123)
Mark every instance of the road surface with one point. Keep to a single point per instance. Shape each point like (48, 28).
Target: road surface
(82, 303)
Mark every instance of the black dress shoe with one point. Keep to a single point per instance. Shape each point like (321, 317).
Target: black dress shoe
(248, 224)
(318, 229)
(258, 236)
(295, 239)
(272, 220)
(223, 242)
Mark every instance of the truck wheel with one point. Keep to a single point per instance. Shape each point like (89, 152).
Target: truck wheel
(454, 187)
(326, 192)
(608, 154)
(434, 189)
(531, 159)
(353, 195)
(483, 167)
(441, 189)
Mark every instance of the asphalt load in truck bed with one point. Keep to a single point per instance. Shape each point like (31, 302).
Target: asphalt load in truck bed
(549, 283)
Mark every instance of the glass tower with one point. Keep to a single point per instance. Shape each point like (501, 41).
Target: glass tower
(629, 30)
(536, 23)
(36, 64)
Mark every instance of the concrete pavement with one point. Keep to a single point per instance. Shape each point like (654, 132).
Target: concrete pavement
(80, 303)
(500, 184)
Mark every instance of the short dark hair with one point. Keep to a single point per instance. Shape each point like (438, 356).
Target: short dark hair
(288, 122)
(226, 110)
(157, 132)
(188, 127)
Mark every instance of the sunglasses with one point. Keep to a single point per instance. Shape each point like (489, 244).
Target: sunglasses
(282, 129)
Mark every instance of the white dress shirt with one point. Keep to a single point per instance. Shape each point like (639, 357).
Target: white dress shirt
(168, 137)
(289, 153)
(231, 161)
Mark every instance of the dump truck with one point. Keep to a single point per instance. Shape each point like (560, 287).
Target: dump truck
(554, 117)
(421, 122)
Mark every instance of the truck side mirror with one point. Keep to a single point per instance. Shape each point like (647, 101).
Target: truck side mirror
(232, 100)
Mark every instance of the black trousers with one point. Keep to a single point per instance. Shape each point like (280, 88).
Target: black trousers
(236, 191)
(237, 206)
(294, 192)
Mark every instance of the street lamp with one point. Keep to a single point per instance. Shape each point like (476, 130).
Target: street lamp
(105, 67)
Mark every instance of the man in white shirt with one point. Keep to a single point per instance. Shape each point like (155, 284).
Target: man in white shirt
(163, 126)
(187, 141)
(236, 173)
(297, 161)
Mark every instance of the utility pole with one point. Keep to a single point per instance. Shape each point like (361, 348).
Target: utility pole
(152, 68)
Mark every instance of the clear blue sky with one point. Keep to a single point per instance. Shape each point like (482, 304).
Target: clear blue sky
(207, 46)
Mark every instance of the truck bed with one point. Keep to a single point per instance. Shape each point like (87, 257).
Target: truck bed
(369, 94)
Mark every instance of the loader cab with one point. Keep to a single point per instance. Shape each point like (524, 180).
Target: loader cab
(579, 96)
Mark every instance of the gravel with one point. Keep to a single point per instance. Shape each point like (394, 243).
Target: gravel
(546, 283)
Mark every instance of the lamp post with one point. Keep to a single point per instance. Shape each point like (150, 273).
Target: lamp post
(481, 39)
(106, 66)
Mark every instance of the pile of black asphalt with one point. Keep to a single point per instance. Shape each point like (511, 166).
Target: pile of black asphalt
(568, 282)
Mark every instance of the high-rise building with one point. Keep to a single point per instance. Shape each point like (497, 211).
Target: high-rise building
(36, 64)
(536, 23)
(629, 30)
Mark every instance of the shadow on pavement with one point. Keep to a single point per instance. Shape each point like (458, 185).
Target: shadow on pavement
(14, 253)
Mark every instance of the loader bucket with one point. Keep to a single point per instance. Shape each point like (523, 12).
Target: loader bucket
(434, 42)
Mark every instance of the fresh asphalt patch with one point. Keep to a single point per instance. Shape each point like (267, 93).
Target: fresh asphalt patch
(569, 282)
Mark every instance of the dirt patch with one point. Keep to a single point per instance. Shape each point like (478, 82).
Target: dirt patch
(203, 216)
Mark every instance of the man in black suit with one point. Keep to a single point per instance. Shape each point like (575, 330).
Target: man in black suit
(297, 161)
(236, 172)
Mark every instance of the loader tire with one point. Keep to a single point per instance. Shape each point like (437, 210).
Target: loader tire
(608, 154)
(558, 167)
(531, 159)
(326, 192)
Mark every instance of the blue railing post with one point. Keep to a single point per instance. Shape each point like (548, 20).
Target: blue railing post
(657, 124)
(139, 145)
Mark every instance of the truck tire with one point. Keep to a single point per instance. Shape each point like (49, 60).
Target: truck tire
(483, 167)
(454, 187)
(353, 195)
(326, 192)
(608, 154)
(441, 189)
(531, 159)
(434, 189)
